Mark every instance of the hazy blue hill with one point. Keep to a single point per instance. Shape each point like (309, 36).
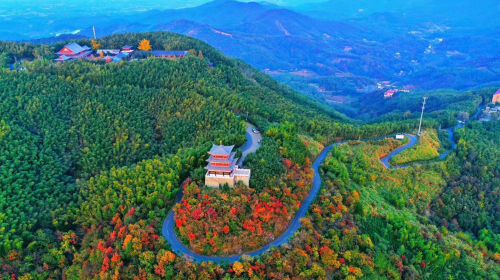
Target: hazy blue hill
(290, 23)
(340, 9)
(62, 38)
(221, 13)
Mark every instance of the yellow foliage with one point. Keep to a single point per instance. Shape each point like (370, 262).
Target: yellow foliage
(238, 268)
(95, 45)
(144, 45)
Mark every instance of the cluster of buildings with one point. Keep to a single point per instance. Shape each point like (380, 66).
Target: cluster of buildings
(492, 111)
(222, 168)
(74, 51)
(391, 92)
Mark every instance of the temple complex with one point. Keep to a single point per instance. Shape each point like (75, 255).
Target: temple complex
(222, 168)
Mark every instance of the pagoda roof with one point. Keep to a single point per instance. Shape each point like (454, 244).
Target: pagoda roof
(231, 157)
(222, 168)
(221, 150)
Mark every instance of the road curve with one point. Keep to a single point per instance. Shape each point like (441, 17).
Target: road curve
(250, 147)
(179, 248)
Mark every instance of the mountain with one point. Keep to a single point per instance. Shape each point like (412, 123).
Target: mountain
(346, 9)
(94, 156)
(420, 44)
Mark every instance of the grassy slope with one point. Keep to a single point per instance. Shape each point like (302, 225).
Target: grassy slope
(427, 148)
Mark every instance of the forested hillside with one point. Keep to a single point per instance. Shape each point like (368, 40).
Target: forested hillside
(92, 156)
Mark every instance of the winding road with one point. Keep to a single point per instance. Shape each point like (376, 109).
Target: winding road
(250, 147)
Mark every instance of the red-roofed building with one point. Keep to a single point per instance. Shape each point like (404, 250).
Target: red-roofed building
(390, 93)
(73, 51)
(222, 168)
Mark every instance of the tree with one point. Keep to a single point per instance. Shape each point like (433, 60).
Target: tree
(200, 55)
(144, 45)
(192, 52)
(95, 45)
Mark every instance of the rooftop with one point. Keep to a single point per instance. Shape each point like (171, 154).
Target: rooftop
(75, 48)
(231, 157)
(221, 150)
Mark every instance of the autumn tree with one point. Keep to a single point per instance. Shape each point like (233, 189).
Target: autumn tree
(95, 45)
(200, 55)
(144, 45)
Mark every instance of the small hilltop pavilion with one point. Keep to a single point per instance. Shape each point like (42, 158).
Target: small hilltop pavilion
(222, 168)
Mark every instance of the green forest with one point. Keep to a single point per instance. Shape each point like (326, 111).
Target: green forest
(93, 155)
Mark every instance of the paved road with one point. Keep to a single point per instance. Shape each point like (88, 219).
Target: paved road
(248, 147)
(414, 140)
(179, 248)
(251, 145)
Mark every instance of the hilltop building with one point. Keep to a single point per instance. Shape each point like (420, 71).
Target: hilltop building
(73, 51)
(496, 97)
(169, 54)
(127, 49)
(390, 93)
(108, 52)
(222, 168)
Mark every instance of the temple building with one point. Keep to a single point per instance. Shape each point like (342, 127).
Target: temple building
(496, 97)
(127, 49)
(222, 168)
(73, 51)
(169, 54)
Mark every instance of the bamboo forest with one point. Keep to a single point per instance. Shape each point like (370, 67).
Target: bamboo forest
(95, 154)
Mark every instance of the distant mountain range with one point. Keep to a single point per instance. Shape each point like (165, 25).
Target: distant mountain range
(338, 47)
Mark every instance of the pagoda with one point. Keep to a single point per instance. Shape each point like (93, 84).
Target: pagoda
(222, 168)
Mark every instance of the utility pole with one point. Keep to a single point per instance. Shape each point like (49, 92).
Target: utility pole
(93, 28)
(422, 116)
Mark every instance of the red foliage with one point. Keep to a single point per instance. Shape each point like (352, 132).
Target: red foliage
(112, 236)
(196, 214)
(109, 251)
(105, 264)
(342, 260)
(122, 231)
(211, 213)
(101, 247)
(131, 212)
(288, 163)
(226, 229)
(178, 223)
(116, 258)
(192, 236)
